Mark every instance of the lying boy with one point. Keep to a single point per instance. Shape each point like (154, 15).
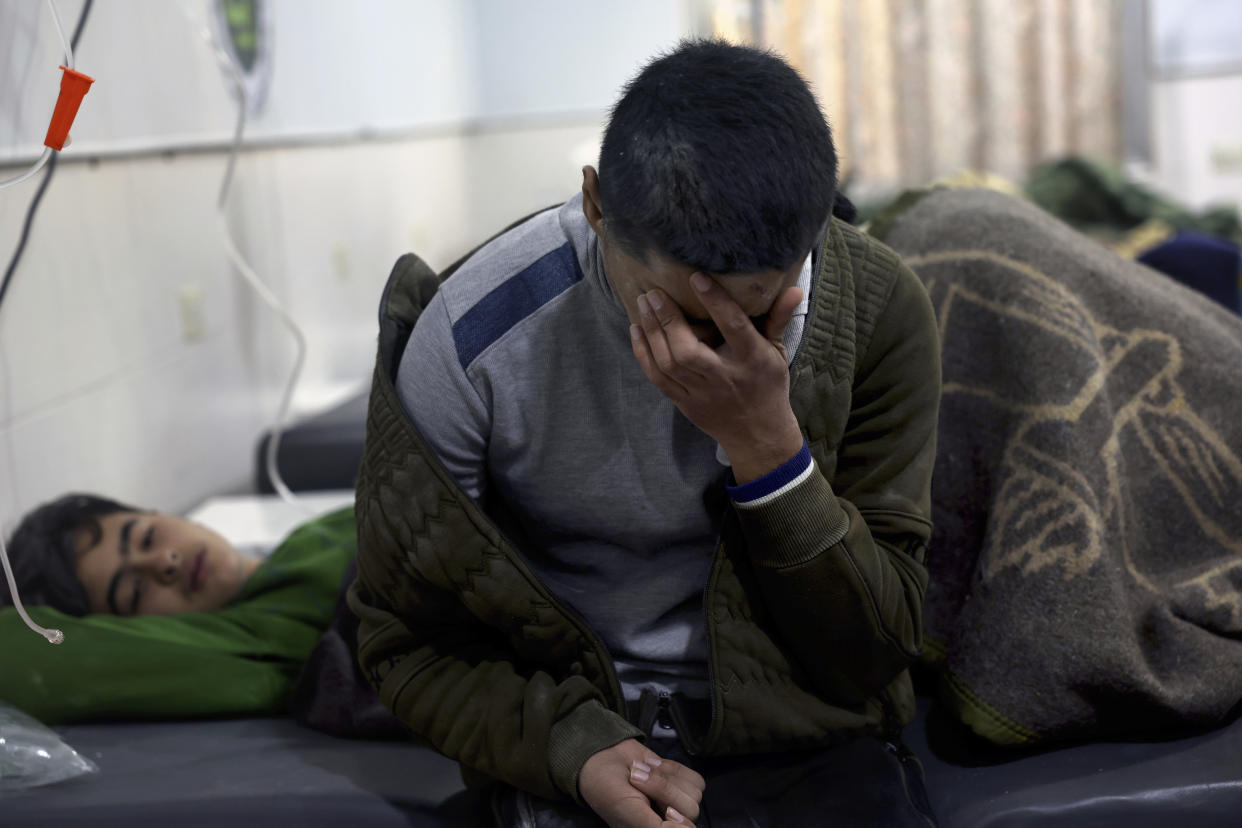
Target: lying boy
(646, 482)
(163, 618)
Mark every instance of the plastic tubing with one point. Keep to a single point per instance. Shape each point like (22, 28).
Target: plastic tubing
(53, 636)
(38, 165)
(47, 151)
(60, 31)
(243, 267)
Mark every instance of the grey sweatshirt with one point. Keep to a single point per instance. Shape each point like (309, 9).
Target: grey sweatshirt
(520, 376)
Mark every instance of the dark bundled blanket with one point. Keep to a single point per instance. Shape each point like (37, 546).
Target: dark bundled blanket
(1086, 567)
(331, 694)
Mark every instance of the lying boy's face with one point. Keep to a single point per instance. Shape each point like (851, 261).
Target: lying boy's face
(147, 563)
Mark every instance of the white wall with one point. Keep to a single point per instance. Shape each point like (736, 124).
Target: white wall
(552, 56)
(1195, 61)
(451, 118)
(1197, 139)
(339, 68)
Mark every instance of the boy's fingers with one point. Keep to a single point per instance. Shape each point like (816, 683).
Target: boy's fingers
(635, 813)
(672, 344)
(674, 817)
(666, 789)
(657, 343)
(641, 346)
(684, 347)
(730, 319)
(682, 773)
(694, 778)
(677, 770)
(782, 313)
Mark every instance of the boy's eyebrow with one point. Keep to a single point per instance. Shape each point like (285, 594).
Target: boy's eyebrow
(123, 545)
(126, 530)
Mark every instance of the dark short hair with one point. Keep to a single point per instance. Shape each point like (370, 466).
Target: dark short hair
(43, 550)
(717, 156)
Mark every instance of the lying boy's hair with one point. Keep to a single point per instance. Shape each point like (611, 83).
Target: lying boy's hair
(718, 157)
(43, 551)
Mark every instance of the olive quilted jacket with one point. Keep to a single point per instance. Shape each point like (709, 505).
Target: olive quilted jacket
(813, 605)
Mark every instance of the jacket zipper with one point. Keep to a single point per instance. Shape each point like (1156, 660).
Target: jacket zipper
(892, 731)
(716, 706)
(610, 672)
(695, 747)
(509, 549)
(663, 717)
(911, 768)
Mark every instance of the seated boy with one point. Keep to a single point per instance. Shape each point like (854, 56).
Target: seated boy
(163, 617)
(646, 485)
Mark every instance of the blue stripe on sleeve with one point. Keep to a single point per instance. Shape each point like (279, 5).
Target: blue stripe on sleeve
(774, 480)
(520, 296)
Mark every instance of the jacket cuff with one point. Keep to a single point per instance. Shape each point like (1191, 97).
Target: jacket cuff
(773, 484)
(802, 522)
(589, 728)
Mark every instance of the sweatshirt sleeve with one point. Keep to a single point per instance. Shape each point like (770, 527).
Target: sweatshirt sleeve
(441, 401)
(840, 563)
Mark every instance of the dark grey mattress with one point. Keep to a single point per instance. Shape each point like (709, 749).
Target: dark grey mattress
(1190, 782)
(274, 772)
(241, 772)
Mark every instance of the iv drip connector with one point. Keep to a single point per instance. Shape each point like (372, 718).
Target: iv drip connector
(73, 88)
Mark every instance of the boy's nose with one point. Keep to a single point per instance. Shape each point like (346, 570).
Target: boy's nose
(164, 563)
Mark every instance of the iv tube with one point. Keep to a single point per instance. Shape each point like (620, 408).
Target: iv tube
(47, 151)
(53, 636)
(248, 273)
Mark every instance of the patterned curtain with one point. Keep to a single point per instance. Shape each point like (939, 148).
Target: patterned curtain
(916, 90)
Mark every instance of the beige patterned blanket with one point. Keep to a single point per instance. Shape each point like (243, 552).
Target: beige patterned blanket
(1087, 558)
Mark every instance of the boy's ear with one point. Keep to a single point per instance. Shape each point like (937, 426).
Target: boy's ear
(590, 200)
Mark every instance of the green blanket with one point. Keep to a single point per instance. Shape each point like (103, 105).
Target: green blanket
(1086, 567)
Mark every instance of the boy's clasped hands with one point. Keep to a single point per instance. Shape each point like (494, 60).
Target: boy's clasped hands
(630, 786)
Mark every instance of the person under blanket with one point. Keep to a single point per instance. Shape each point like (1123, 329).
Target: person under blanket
(645, 496)
(163, 618)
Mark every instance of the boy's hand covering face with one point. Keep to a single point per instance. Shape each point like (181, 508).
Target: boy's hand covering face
(738, 393)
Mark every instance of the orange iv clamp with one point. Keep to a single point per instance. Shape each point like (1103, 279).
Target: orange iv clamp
(73, 87)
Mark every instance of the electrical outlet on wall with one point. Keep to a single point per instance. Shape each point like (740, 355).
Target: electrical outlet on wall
(193, 314)
(1227, 158)
(340, 261)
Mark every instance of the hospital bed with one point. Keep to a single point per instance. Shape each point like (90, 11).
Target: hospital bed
(272, 771)
(243, 772)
